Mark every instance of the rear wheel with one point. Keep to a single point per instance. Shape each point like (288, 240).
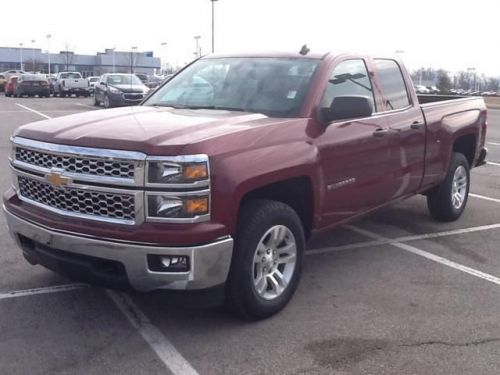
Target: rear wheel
(267, 259)
(447, 201)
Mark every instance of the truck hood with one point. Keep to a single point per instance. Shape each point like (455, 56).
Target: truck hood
(152, 130)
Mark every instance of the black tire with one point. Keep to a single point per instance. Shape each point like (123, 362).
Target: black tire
(439, 199)
(107, 102)
(255, 219)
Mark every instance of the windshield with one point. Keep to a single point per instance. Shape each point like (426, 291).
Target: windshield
(119, 79)
(93, 79)
(275, 87)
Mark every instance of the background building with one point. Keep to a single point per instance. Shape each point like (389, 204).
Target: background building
(33, 59)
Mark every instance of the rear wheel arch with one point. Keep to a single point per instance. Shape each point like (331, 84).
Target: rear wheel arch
(466, 145)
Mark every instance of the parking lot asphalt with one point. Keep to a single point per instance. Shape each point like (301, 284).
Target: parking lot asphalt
(394, 293)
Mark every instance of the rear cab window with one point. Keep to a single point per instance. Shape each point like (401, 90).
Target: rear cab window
(349, 78)
(393, 86)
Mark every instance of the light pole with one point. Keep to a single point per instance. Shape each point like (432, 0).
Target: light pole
(21, 54)
(113, 49)
(164, 45)
(197, 39)
(213, 25)
(132, 59)
(48, 50)
(33, 54)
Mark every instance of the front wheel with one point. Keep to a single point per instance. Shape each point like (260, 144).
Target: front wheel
(447, 201)
(106, 102)
(267, 259)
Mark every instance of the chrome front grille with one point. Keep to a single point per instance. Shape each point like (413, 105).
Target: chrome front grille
(76, 164)
(85, 203)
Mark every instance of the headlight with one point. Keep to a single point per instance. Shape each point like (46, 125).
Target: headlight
(162, 207)
(114, 90)
(191, 170)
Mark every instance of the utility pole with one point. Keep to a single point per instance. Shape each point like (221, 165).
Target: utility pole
(48, 49)
(33, 55)
(164, 45)
(213, 26)
(132, 59)
(21, 52)
(197, 39)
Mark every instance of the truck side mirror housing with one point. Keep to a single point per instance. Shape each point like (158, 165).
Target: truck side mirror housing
(347, 107)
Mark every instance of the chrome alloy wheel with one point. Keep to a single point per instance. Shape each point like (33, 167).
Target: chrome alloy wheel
(459, 187)
(274, 262)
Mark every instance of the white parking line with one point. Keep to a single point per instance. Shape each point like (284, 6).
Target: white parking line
(430, 256)
(45, 290)
(416, 237)
(33, 110)
(494, 143)
(485, 198)
(86, 105)
(167, 353)
(493, 163)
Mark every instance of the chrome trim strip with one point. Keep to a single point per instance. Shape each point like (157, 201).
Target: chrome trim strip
(77, 150)
(138, 159)
(76, 176)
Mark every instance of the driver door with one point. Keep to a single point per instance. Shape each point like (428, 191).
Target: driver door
(356, 155)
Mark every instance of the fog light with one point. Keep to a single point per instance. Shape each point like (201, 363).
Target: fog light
(168, 263)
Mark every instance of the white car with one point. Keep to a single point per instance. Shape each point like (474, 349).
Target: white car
(94, 80)
(421, 89)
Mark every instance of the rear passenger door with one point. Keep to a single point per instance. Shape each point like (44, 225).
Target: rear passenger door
(406, 124)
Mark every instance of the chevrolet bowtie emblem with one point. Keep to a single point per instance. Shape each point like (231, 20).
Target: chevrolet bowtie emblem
(56, 179)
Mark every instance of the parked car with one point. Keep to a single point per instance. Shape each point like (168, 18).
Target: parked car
(433, 90)
(217, 179)
(421, 89)
(69, 83)
(93, 81)
(31, 85)
(13, 72)
(9, 86)
(119, 89)
(3, 82)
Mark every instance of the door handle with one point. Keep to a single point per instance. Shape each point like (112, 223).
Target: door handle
(380, 132)
(416, 125)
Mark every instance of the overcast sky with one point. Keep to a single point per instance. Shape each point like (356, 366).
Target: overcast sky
(440, 33)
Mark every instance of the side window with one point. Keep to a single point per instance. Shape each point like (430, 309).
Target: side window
(349, 78)
(392, 84)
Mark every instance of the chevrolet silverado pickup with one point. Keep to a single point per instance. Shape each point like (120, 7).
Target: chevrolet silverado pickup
(221, 175)
(69, 83)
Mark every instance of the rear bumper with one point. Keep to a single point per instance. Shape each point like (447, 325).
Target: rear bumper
(119, 264)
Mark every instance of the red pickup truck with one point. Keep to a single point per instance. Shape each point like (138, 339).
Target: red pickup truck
(221, 175)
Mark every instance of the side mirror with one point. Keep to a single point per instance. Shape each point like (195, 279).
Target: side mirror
(347, 107)
(103, 84)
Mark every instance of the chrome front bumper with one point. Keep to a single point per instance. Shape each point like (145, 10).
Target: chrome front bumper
(209, 264)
